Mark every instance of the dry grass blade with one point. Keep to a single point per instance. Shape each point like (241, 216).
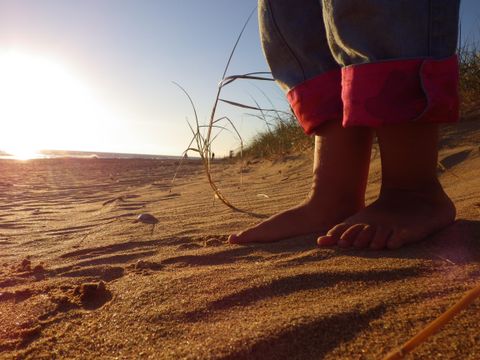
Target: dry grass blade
(248, 76)
(220, 87)
(276, 112)
(435, 325)
(204, 143)
(226, 118)
(267, 123)
(203, 149)
(243, 105)
(263, 115)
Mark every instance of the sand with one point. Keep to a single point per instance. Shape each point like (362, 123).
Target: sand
(79, 279)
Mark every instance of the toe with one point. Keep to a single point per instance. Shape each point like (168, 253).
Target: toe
(349, 236)
(396, 240)
(240, 238)
(233, 239)
(327, 240)
(338, 230)
(364, 237)
(379, 241)
(333, 235)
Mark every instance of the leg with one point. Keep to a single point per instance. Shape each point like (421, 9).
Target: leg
(296, 48)
(340, 174)
(412, 203)
(403, 99)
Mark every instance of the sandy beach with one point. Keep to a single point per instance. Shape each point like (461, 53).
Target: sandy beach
(79, 279)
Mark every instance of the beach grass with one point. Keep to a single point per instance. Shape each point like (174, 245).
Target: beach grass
(469, 61)
(284, 137)
(203, 135)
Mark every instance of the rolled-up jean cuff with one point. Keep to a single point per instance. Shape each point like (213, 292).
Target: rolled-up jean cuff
(398, 91)
(317, 100)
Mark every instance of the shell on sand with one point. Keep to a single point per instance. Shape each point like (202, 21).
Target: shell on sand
(146, 219)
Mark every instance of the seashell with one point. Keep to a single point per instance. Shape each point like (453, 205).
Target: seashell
(146, 219)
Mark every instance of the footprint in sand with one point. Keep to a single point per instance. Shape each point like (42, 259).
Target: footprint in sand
(26, 266)
(17, 295)
(188, 246)
(92, 295)
(147, 265)
(214, 242)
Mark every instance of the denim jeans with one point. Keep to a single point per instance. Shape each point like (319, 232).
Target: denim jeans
(364, 62)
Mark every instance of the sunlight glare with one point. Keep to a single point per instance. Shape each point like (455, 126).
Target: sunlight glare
(22, 153)
(44, 105)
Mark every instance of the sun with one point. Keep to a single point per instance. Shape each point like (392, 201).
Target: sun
(46, 105)
(22, 152)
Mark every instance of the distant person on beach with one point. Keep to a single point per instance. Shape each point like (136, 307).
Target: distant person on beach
(352, 70)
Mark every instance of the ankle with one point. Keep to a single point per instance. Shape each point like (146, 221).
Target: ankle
(346, 201)
(429, 191)
(409, 157)
(421, 185)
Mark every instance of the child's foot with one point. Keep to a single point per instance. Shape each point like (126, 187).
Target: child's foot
(397, 218)
(412, 204)
(309, 217)
(340, 174)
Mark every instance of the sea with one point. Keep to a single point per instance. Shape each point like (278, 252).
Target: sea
(54, 154)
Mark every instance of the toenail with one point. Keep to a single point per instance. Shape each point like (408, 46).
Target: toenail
(326, 240)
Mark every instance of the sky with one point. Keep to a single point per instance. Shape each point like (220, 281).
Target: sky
(96, 75)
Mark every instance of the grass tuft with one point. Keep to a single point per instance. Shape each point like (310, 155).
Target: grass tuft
(469, 59)
(282, 137)
(204, 135)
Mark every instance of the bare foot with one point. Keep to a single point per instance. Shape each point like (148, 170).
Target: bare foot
(412, 203)
(340, 174)
(397, 218)
(309, 217)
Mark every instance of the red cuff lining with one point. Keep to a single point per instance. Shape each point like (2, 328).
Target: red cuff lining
(317, 100)
(380, 93)
(392, 92)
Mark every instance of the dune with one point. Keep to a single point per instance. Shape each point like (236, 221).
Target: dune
(80, 278)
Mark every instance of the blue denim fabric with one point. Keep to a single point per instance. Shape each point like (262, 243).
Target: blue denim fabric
(305, 38)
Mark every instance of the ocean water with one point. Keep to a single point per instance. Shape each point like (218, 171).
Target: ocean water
(53, 154)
